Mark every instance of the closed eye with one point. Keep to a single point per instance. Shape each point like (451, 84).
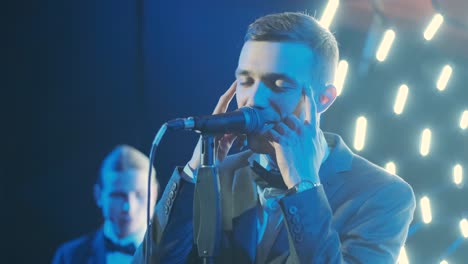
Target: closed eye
(245, 81)
(119, 195)
(284, 84)
(275, 81)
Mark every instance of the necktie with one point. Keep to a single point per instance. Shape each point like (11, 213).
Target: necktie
(128, 249)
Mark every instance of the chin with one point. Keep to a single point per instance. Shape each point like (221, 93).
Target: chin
(126, 230)
(122, 233)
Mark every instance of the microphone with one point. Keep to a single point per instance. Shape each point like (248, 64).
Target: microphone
(241, 121)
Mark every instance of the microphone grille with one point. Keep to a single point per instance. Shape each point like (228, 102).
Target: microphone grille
(254, 120)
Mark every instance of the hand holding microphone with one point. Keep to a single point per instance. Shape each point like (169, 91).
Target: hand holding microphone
(225, 142)
(242, 121)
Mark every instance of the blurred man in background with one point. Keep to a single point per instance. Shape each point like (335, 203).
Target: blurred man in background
(121, 194)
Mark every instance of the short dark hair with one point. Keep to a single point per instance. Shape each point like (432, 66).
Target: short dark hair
(123, 158)
(299, 28)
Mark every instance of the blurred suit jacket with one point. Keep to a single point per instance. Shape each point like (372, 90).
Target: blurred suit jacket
(88, 249)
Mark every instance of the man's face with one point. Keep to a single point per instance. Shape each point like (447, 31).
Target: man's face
(271, 76)
(122, 199)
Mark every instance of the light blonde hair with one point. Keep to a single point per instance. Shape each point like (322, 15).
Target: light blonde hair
(123, 158)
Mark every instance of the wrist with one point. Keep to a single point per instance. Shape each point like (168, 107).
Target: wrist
(303, 185)
(194, 162)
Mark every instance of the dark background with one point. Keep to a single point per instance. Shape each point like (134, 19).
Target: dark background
(83, 76)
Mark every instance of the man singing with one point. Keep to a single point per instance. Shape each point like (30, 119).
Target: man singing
(297, 195)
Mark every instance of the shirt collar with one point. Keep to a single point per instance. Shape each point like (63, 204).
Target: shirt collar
(269, 196)
(340, 158)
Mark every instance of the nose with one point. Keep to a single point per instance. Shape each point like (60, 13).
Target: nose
(129, 203)
(259, 95)
(126, 205)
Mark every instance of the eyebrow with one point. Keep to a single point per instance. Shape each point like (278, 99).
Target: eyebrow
(270, 76)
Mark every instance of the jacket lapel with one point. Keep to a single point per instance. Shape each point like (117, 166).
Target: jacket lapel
(279, 251)
(245, 214)
(98, 250)
(333, 170)
(331, 176)
(245, 203)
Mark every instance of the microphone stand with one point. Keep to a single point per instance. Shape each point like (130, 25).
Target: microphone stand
(207, 204)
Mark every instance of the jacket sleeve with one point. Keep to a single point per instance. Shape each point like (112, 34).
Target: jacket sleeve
(374, 234)
(171, 233)
(59, 256)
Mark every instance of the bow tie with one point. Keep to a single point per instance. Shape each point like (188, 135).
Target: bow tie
(267, 178)
(128, 249)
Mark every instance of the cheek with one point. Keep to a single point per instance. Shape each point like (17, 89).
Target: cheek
(139, 202)
(111, 207)
(240, 99)
(299, 109)
(292, 103)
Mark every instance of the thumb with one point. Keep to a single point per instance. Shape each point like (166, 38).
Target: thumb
(224, 145)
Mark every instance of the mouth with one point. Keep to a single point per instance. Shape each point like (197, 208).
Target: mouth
(125, 220)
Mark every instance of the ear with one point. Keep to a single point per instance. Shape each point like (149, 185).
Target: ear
(97, 195)
(326, 98)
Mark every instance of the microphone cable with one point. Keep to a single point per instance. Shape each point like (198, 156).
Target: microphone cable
(149, 236)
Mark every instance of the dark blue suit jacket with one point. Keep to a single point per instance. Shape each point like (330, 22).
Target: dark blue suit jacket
(88, 249)
(360, 214)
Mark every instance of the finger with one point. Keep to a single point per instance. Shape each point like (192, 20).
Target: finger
(194, 162)
(322, 138)
(293, 123)
(224, 146)
(273, 135)
(282, 129)
(310, 106)
(240, 142)
(228, 138)
(225, 99)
